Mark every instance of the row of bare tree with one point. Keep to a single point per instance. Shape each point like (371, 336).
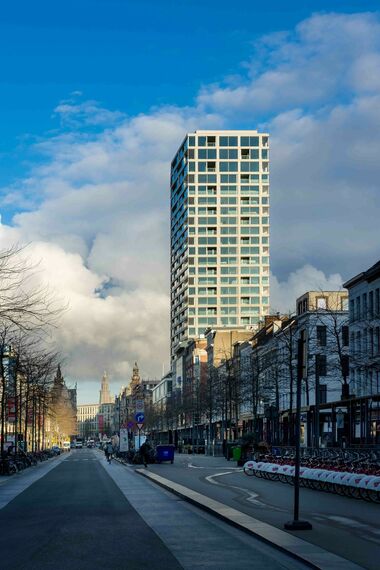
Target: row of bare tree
(28, 358)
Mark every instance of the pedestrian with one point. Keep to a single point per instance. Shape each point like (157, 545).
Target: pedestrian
(108, 451)
(144, 452)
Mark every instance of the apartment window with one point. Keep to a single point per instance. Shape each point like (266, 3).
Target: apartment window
(365, 305)
(228, 291)
(249, 167)
(358, 308)
(228, 141)
(228, 178)
(321, 365)
(352, 310)
(228, 154)
(209, 153)
(321, 335)
(228, 321)
(370, 305)
(345, 335)
(228, 200)
(377, 303)
(323, 393)
(321, 303)
(249, 141)
(228, 166)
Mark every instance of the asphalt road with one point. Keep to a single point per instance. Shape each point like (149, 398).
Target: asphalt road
(347, 527)
(82, 513)
(76, 517)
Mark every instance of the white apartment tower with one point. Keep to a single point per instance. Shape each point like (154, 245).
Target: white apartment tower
(219, 232)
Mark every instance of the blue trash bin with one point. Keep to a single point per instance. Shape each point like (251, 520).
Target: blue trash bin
(165, 453)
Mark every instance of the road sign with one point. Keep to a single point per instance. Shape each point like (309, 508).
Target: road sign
(139, 406)
(130, 425)
(140, 425)
(139, 417)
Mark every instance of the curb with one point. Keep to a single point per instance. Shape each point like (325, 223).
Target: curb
(310, 554)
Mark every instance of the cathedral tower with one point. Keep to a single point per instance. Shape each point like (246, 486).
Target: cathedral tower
(105, 394)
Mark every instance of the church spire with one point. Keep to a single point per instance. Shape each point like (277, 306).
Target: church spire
(135, 380)
(105, 394)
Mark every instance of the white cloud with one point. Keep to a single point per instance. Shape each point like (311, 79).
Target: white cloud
(306, 278)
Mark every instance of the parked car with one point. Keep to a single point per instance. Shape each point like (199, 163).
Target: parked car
(56, 450)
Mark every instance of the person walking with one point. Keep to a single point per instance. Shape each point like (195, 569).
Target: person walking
(144, 452)
(108, 451)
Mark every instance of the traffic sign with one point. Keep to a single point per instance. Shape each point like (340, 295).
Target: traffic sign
(139, 425)
(139, 406)
(130, 425)
(139, 417)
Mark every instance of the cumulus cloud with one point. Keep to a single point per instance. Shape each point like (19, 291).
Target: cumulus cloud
(306, 278)
(96, 206)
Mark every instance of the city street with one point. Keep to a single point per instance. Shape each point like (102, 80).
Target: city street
(79, 512)
(348, 527)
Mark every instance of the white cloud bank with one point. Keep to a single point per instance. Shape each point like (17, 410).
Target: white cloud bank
(98, 212)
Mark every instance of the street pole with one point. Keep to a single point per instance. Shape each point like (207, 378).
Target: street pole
(297, 524)
(316, 409)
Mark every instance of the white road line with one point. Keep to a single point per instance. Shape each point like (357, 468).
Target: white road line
(252, 496)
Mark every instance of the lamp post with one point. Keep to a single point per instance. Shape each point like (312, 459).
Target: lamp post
(297, 524)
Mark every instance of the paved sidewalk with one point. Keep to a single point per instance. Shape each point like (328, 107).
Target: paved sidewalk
(13, 485)
(196, 539)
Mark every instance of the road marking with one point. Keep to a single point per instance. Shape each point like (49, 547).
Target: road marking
(252, 496)
(198, 467)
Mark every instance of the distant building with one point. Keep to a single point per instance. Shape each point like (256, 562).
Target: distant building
(105, 394)
(96, 419)
(87, 421)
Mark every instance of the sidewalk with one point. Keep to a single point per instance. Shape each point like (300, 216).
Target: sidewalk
(197, 539)
(310, 554)
(13, 485)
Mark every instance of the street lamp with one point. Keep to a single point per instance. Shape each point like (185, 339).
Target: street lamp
(297, 524)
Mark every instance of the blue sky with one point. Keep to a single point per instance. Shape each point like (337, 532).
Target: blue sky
(95, 98)
(130, 55)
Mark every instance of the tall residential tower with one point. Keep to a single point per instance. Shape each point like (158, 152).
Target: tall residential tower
(219, 232)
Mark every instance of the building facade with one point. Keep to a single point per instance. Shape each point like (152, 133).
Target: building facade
(87, 421)
(219, 232)
(364, 303)
(364, 292)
